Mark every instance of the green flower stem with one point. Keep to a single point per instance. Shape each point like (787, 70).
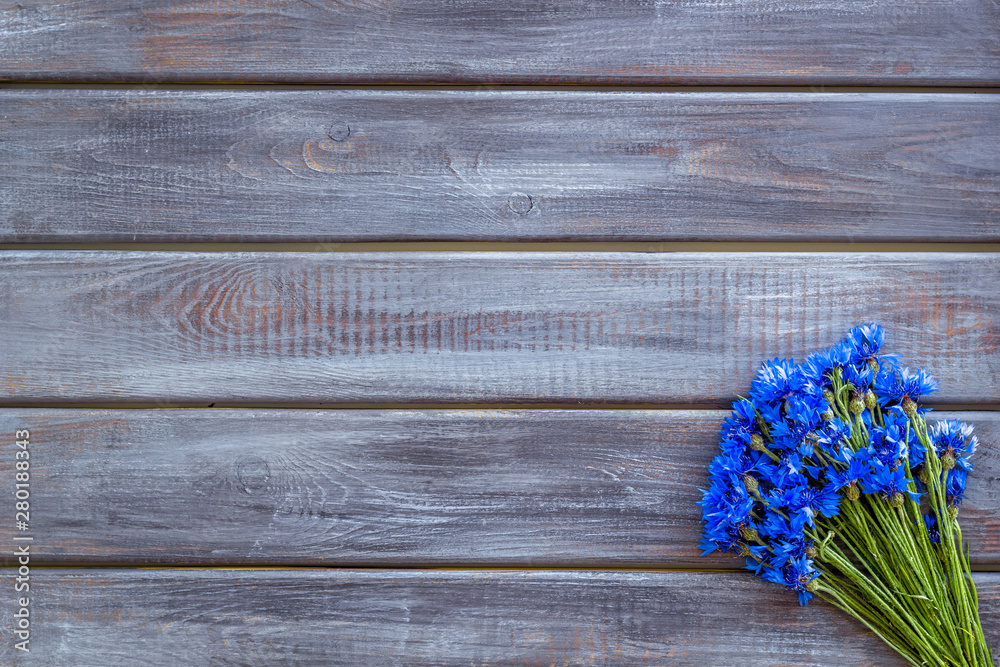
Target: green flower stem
(891, 605)
(889, 568)
(860, 603)
(884, 588)
(853, 606)
(956, 565)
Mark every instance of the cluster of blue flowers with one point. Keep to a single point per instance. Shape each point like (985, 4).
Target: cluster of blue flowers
(794, 451)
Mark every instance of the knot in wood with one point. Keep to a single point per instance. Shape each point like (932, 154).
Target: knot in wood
(252, 472)
(520, 203)
(339, 131)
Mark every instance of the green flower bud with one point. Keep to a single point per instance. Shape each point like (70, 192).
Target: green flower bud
(909, 407)
(924, 476)
(811, 552)
(813, 585)
(871, 400)
(827, 416)
(948, 460)
(750, 483)
(828, 396)
(897, 499)
(745, 550)
(757, 442)
(953, 512)
(852, 492)
(873, 365)
(857, 406)
(749, 534)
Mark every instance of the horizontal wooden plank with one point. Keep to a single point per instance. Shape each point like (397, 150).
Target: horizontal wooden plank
(343, 617)
(382, 488)
(476, 41)
(310, 328)
(348, 165)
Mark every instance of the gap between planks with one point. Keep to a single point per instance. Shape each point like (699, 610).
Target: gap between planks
(411, 407)
(506, 567)
(479, 567)
(646, 88)
(525, 246)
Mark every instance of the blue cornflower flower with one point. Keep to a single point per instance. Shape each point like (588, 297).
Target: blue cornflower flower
(887, 445)
(859, 468)
(840, 354)
(954, 488)
(793, 464)
(954, 439)
(742, 423)
(897, 424)
(816, 369)
(733, 446)
(813, 500)
(797, 574)
(815, 473)
(757, 560)
(776, 476)
(731, 504)
(786, 550)
(775, 527)
(747, 462)
(932, 528)
(883, 479)
(722, 538)
(866, 340)
(859, 376)
(771, 413)
(788, 434)
(776, 380)
(893, 386)
(833, 439)
(787, 495)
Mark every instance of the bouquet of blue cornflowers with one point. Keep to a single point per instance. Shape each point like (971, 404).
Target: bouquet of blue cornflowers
(832, 483)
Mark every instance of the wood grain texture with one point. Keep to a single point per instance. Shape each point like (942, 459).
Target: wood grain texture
(382, 488)
(295, 328)
(84, 618)
(475, 41)
(347, 165)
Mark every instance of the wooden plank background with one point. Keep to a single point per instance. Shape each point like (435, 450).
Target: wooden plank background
(294, 328)
(362, 165)
(585, 488)
(475, 41)
(344, 617)
(446, 516)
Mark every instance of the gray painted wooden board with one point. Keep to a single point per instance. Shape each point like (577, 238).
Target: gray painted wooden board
(349, 165)
(84, 618)
(475, 41)
(301, 328)
(378, 488)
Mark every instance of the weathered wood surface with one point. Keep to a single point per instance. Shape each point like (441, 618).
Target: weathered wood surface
(347, 165)
(280, 328)
(85, 618)
(475, 41)
(361, 487)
